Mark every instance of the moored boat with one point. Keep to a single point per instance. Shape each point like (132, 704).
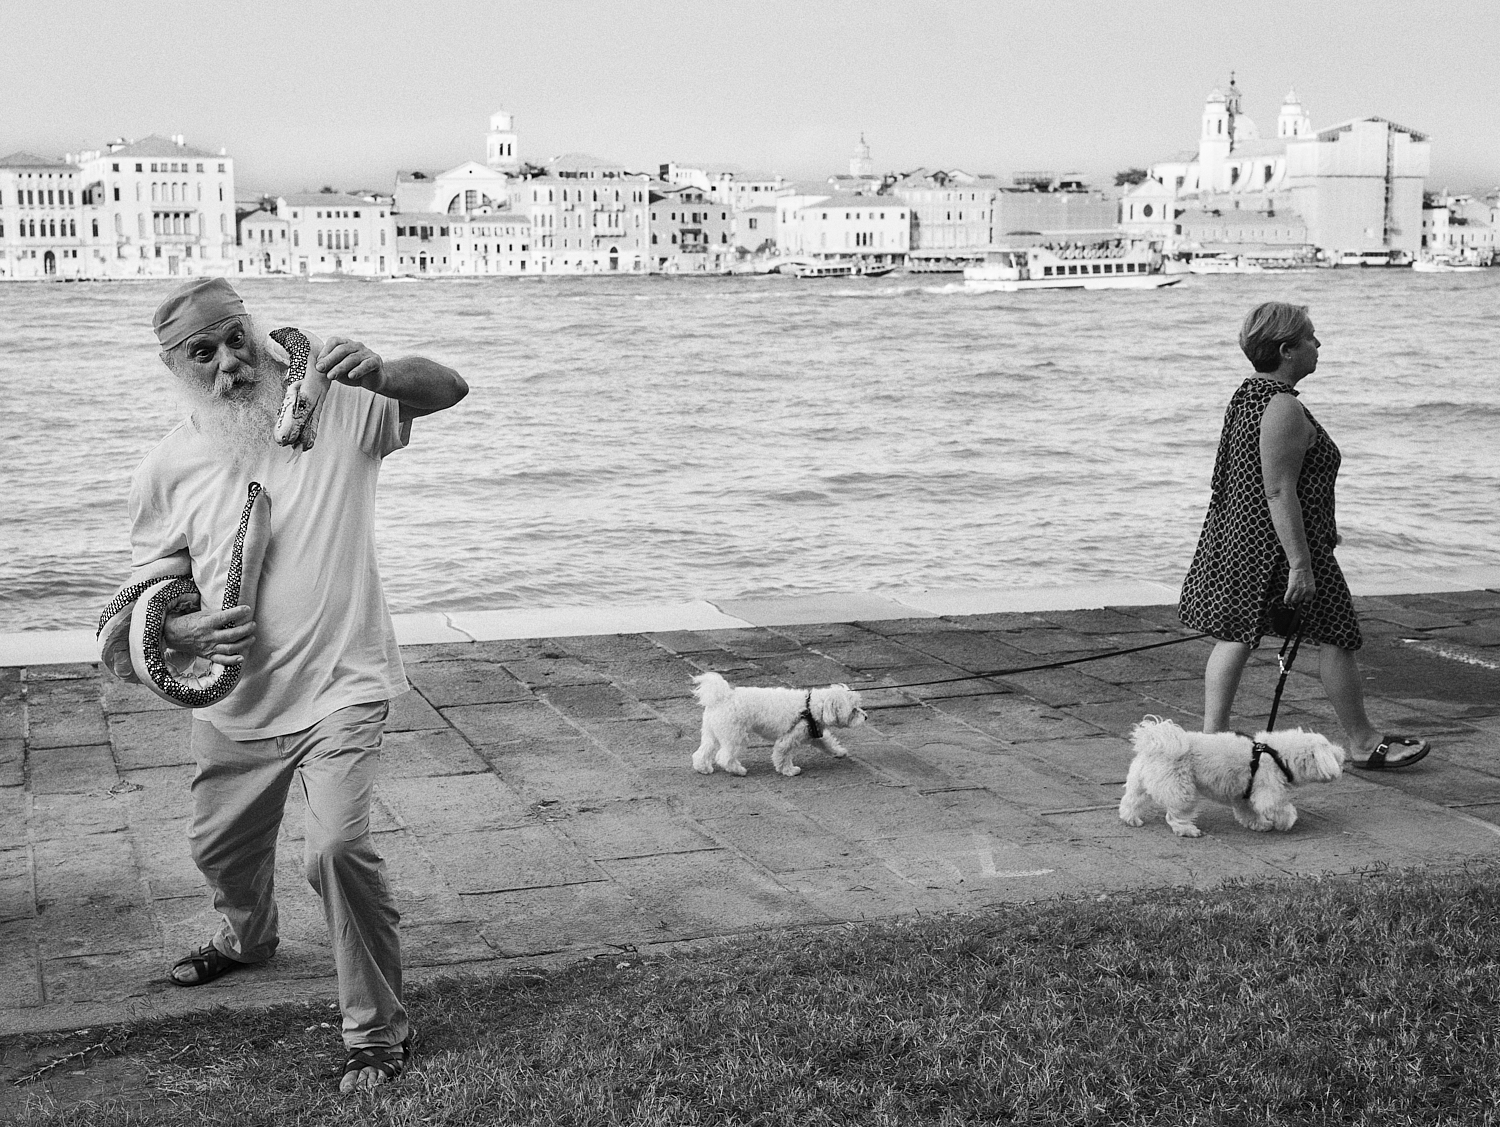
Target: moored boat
(1110, 265)
(1441, 266)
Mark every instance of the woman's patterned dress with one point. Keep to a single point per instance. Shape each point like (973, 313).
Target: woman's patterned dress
(1240, 568)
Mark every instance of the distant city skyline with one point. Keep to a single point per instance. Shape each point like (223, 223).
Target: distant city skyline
(312, 93)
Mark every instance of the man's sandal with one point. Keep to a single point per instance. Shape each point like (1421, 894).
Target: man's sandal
(1378, 760)
(389, 1060)
(205, 964)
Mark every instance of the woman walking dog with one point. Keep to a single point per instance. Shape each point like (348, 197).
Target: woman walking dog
(1268, 540)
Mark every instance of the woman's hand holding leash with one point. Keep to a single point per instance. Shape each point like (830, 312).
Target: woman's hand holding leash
(1300, 586)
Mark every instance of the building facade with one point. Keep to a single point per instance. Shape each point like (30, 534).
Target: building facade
(166, 208)
(1355, 188)
(755, 230)
(337, 233)
(491, 243)
(265, 246)
(691, 232)
(873, 228)
(46, 229)
(1458, 230)
(150, 208)
(727, 183)
(587, 216)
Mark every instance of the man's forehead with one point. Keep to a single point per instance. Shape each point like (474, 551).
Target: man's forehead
(216, 333)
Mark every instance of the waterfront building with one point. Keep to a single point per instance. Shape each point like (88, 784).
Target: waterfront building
(1242, 233)
(691, 232)
(265, 244)
(951, 212)
(47, 230)
(338, 233)
(957, 215)
(727, 183)
(755, 230)
(872, 227)
(486, 242)
(587, 216)
(424, 243)
(1355, 187)
(467, 187)
(1458, 229)
(165, 208)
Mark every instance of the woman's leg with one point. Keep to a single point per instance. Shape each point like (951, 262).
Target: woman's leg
(1341, 678)
(1221, 679)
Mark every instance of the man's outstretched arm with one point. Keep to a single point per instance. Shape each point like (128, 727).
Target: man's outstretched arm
(421, 386)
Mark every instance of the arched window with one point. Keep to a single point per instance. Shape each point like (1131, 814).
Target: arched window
(153, 191)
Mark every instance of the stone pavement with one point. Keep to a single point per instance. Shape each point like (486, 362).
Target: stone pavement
(538, 802)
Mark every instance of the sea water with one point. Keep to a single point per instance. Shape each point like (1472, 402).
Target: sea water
(660, 439)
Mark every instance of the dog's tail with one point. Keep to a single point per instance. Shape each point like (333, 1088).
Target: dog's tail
(711, 689)
(1154, 735)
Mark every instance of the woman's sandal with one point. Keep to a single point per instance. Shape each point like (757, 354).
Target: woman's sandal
(206, 963)
(1377, 760)
(389, 1060)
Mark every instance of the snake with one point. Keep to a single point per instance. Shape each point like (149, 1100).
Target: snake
(131, 627)
(130, 634)
(296, 423)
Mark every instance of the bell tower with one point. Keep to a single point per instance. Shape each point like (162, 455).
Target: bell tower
(1214, 142)
(1293, 120)
(500, 144)
(860, 163)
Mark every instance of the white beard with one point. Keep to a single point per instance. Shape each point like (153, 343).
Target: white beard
(240, 423)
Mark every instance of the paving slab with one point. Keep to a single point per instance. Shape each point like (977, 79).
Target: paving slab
(537, 800)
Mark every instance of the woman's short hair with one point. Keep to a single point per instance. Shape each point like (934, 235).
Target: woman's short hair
(1268, 327)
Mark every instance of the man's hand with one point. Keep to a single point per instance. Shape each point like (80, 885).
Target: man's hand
(222, 636)
(349, 362)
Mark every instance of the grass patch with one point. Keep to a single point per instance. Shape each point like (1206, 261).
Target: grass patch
(1360, 1000)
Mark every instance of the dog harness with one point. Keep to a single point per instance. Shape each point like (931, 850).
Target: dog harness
(1257, 749)
(814, 729)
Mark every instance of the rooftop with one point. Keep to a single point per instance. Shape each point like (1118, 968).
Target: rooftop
(1331, 131)
(328, 199)
(154, 146)
(31, 160)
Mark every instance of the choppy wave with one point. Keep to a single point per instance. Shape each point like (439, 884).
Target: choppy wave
(633, 440)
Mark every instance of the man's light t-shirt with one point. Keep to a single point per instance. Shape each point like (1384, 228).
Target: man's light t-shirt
(324, 638)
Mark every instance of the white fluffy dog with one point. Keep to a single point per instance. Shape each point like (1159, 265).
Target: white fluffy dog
(1173, 768)
(787, 716)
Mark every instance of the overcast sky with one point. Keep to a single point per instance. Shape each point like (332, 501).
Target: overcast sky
(304, 93)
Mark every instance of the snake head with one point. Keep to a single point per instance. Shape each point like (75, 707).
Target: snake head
(296, 423)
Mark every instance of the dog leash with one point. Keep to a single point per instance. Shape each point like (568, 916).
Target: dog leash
(1292, 640)
(989, 673)
(1284, 658)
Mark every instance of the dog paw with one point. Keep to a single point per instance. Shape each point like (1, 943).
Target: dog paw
(1132, 821)
(790, 771)
(735, 768)
(1187, 831)
(704, 768)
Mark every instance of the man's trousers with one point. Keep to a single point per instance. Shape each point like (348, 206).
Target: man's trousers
(239, 794)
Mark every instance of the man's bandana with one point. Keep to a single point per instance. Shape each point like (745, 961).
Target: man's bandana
(191, 308)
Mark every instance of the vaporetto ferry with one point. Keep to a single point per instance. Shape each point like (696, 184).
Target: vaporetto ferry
(1109, 265)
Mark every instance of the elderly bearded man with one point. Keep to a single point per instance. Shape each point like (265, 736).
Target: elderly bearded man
(319, 657)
